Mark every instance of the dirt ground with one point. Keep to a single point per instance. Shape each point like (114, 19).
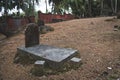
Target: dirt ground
(95, 38)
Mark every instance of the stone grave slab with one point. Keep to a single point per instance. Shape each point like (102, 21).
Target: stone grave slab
(49, 53)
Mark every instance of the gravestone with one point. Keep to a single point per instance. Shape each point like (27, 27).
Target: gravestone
(54, 57)
(31, 35)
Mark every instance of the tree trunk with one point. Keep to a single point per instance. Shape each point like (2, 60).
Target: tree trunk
(116, 6)
(33, 6)
(112, 7)
(6, 7)
(102, 5)
(46, 6)
(90, 8)
(84, 2)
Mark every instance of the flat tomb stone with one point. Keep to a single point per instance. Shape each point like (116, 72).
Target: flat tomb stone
(49, 53)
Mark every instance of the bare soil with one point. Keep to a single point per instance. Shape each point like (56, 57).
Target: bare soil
(95, 38)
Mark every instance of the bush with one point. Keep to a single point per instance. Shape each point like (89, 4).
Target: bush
(40, 23)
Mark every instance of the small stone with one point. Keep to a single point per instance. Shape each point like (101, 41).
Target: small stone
(115, 29)
(16, 60)
(109, 68)
(43, 76)
(39, 62)
(118, 79)
(97, 60)
(38, 69)
(76, 59)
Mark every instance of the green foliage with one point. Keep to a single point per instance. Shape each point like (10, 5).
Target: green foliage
(86, 8)
(26, 5)
(81, 8)
(56, 6)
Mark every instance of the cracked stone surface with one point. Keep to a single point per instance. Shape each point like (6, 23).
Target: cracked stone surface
(49, 52)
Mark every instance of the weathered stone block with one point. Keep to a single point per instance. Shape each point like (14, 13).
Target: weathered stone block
(38, 69)
(53, 56)
(75, 62)
(39, 64)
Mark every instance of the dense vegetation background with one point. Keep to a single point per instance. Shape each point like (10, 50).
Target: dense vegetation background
(81, 8)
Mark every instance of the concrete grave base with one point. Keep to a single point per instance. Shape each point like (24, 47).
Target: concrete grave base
(53, 56)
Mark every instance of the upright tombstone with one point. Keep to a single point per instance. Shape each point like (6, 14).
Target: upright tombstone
(31, 35)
